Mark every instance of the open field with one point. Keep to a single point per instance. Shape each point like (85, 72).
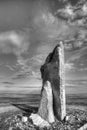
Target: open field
(12, 105)
(7, 99)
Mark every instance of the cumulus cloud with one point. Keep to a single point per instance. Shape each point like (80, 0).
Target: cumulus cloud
(44, 29)
(74, 14)
(49, 27)
(13, 42)
(66, 12)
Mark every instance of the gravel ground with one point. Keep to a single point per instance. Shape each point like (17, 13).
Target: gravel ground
(13, 120)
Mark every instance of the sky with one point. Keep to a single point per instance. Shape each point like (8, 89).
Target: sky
(29, 30)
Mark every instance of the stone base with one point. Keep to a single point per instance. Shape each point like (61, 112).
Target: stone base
(38, 121)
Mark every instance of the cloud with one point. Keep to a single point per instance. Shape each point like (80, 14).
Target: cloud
(13, 42)
(10, 67)
(44, 28)
(84, 9)
(74, 14)
(48, 27)
(75, 57)
(37, 41)
(76, 83)
(83, 69)
(29, 68)
(69, 66)
(7, 82)
(67, 11)
(35, 75)
(19, 76)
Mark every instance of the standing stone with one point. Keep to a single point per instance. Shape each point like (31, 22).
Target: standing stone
(53, 71)
(46, 104)
(62, 81)
(45, 114)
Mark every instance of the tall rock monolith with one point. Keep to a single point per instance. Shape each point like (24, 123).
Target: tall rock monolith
(53, 71)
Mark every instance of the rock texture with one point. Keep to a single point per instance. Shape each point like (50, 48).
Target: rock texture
(16, 121)
(46, 104)
(45, 114)
(53, 71)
